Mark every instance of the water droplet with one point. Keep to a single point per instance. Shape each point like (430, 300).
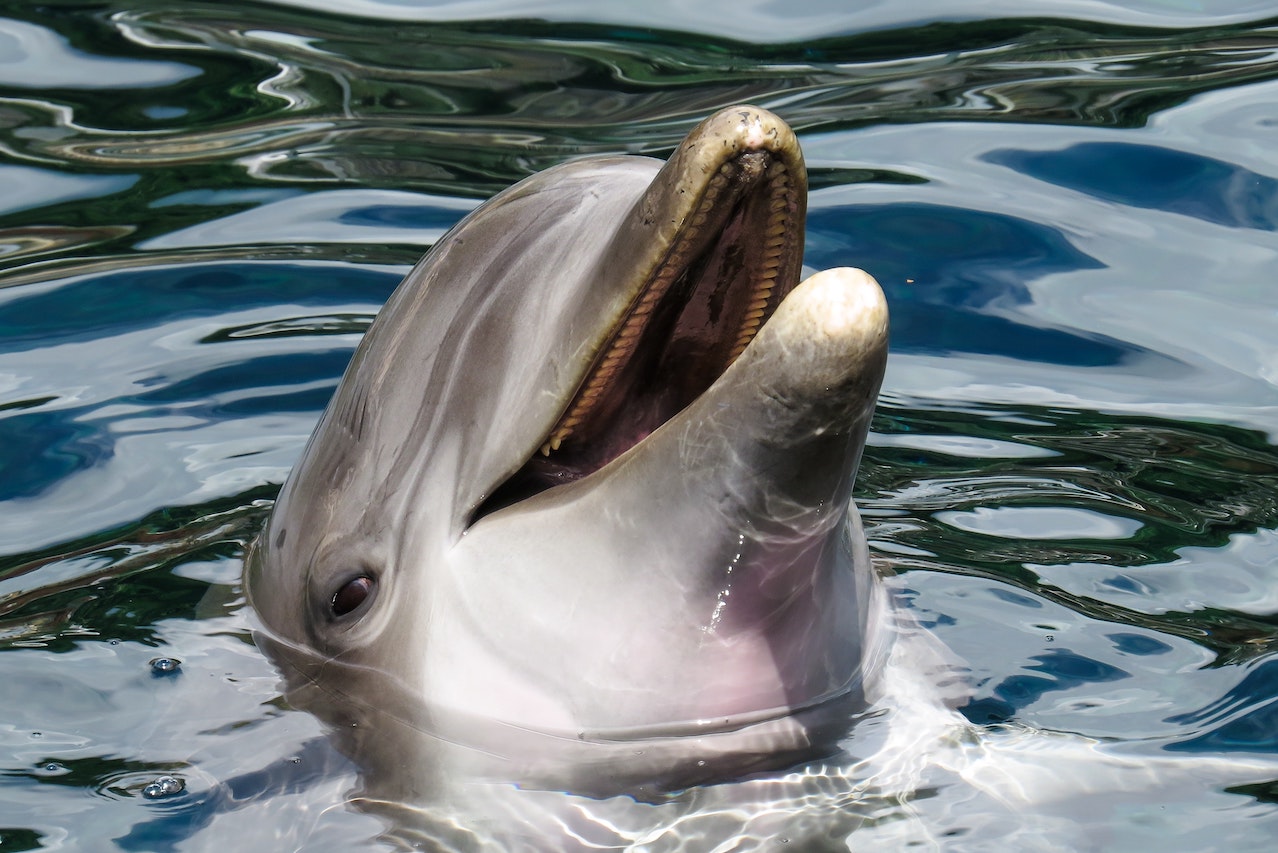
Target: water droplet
(165, 666)
(165, 786)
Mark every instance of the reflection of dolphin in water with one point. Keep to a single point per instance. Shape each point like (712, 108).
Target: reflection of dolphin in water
(577, 522)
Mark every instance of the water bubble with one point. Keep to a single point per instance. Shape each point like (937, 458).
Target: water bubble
(165, 786)
(165, 666)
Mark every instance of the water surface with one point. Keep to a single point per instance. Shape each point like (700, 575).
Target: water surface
(1073, 474)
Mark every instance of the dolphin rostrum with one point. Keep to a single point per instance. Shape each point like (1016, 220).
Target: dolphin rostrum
(578, 516)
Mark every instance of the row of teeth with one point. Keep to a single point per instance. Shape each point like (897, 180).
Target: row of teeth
(628, 337)
(770, 263)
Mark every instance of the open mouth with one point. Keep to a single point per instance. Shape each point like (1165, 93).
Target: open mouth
(726, 214)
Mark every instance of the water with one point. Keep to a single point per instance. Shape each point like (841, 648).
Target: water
(1073, 471)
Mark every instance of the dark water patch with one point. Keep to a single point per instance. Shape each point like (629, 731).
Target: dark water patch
(1183, 484)
(1016, 598)
(1254, 731)
(1155, 178)
(1207, 481)
(47, 446)
(1245, 719)
(1168, 476)
(107, 776)
(955, 277)
(1061, 670)
(821, 177)
(119, 302)
(418, 217)
(18, 839)
(160, 542)
(309, 326)
(988, 711)
(115, 602)
(1231, 636)
(104, 61)
(223, 391)
(318, 97)
(1138, 644)
(26, 242)
(1264, 792)
(1058, 671)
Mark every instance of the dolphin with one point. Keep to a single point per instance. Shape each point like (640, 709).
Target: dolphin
(578, 517)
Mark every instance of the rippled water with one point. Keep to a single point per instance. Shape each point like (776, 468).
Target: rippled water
(1073, 472)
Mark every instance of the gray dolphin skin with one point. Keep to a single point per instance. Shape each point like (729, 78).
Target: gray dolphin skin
(579, 517)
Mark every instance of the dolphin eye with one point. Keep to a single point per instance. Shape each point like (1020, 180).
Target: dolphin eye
(352, 594)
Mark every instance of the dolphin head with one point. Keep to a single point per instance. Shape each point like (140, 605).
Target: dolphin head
(579, 512)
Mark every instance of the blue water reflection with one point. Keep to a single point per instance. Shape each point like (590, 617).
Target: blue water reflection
(1062, 669)
(1245, 719)
(44, 447)
(954, 278)
(219, 393)
(1155, 178)
(377, 217)
(115, 303)
(1138, 644)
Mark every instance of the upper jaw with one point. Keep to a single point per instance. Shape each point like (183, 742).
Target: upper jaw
(708, 252)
